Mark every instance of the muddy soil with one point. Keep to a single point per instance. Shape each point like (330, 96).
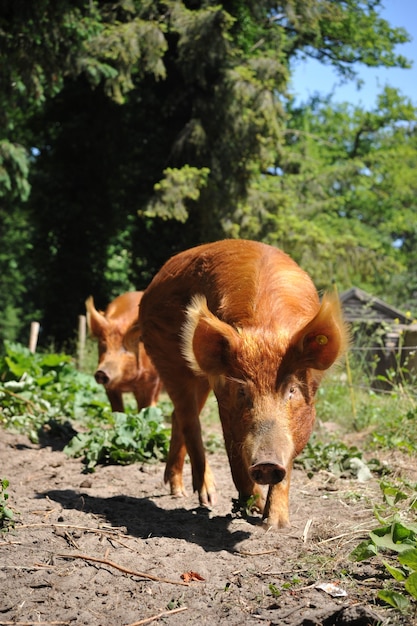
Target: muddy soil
(114, 548)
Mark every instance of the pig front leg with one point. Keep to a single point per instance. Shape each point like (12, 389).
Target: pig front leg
(276, 511)
(246, 487)
(116, 400)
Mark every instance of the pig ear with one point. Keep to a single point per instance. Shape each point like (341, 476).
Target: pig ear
(96, 321)
(323, 339)
(132, 338)
(207, 342)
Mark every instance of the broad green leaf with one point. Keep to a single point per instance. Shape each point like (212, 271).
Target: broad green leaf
(55, 360)
(365, 550)
(397, 573)
(409, 558)
(392, 494)
(411, 585)
(401, 533)
(386, 543)
(393, 598)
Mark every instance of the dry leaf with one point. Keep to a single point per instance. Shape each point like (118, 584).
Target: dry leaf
(189, 576)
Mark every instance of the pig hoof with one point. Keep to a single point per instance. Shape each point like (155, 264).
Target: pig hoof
(207, 499)
(269, 524)
(178, 492)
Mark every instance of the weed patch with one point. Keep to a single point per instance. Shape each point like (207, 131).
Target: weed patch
(123, 439)
(394, 542)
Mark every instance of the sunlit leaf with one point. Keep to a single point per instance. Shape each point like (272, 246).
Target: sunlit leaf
(411, 585)
(409, 558)
(393, 598)
(395, 572)
(365, 550)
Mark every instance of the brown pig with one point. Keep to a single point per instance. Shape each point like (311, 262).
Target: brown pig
(119, 370)
(241, 318)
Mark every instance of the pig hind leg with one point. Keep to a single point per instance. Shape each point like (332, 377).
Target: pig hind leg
(188, 399)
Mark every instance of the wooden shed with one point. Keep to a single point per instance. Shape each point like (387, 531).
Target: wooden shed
(384, 338)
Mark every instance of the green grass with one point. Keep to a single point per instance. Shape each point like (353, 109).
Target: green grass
(387, 416)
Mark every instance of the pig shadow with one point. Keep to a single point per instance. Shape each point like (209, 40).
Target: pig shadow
(55, 434)
(143, 518)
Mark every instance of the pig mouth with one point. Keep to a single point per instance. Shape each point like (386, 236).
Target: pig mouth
(267, 473)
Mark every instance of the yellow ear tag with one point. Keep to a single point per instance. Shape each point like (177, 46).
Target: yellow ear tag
(321, 340)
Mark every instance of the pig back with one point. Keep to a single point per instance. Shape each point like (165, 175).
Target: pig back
(246, 283)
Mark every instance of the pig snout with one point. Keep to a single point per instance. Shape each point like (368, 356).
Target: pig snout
(101, 377)
(267, 473)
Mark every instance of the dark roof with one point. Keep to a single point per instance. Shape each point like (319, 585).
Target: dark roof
(359, 306)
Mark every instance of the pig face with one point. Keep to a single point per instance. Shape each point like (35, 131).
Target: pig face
(120, 369)
(267, 409)
(117, 367)
(270, 420)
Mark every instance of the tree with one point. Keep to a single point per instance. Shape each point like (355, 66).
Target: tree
(342, 201)
(153, 121)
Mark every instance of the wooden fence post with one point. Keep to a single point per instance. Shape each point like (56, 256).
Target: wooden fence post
(82, 325)
(34, 335)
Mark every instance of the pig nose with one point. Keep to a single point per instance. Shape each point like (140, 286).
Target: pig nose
(267, 473)
(101, 377)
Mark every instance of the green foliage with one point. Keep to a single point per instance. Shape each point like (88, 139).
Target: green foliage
(173, 191)
(388, 414)
(39, 389)
(395, 543)
(42, 393)
(335, 457)
(275, 591)
(6, 514)
(339, 171)
(14, 170)
(244, 507)
(16, 270)
(123, 439)
(399, 432)
(342, 34)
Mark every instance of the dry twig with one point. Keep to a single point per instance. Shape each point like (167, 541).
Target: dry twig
(147, 620)
(244, 553)
(100, 531)
(34, 623)
(307, 527)
(358, 531)
(95, 559)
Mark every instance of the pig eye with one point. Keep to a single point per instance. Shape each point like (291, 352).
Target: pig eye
(241, 392)
(244, 395)
(291, 391)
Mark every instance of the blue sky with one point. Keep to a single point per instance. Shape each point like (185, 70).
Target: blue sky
(310, 77)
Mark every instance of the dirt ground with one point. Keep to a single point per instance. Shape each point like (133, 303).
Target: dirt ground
(114, 548)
